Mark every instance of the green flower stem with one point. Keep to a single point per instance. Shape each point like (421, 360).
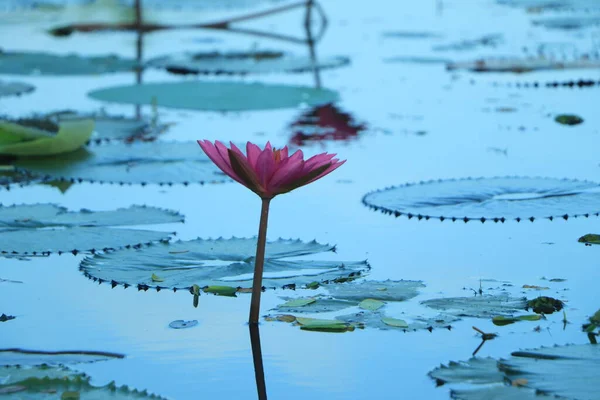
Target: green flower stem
(259, 262)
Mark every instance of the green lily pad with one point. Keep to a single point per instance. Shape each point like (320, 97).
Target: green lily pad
(564, 371)
(395, 322)
(568, 119)
(40, 63)
(501, 320)
(298, 302)
(15, 88)
(589, 239)
(228, 291)
(323, 325)
(216, 96)
(478, 306)
(242, 62)
(220, 262)
(371, 304)
(41, 229)
(26, 142)
(133, 163)
(489, 199)
(5, 317)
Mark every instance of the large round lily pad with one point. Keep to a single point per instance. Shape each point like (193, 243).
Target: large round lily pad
(32, 63)
(219, 263)
(128, 163)
(242, 62)
(41, 229)
(216, 96)
(484, 199)
(15, 88)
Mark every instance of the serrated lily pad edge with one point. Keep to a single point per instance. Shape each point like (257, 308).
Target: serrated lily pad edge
(158, 288)
(465, 219)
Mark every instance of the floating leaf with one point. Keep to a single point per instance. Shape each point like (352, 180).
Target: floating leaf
(567, 119)
(221, 290)
(156, 278)
(377, 290)
(535, 287)
(15, 88)
(216, 96)
(319, 305)
(568, 23)
(4, 317)
(478, 306)
(71, 136)
(21, 357)
(135, 163)
(39, 63)
(396, 323)
(322, 325)
(298, 302)
(589, 239)
(565, 371)
(216, 263)
(545, 305)
(370, 304)
(484, 199)
(496, 393)
(502, 320)
(181, 324)
(518, 65)
(41, 229)
(491, 40)
(242, 62)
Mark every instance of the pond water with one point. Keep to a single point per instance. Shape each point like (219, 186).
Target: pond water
(421, 122)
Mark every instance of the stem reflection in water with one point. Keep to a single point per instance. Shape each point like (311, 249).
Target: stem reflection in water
(259, 371)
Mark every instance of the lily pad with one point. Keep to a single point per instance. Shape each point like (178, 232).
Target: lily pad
(489, 199)
(4, 317)
(379, 320)
(15, 88)
(589, 239)
(567, 119)
(40, 63)
(371, 305)
(565, 371)
(128, 163)
(518, 65)
(319, 305)
(47, 228)
(545, 305)
(209, 262)
(497, 393)
(216, 96)
(298, 302)
(501, 320)
(395, 322)
(322, 325)
(220, 290)
(242, 62)
(24, 141)
(377, 290)
(478, 306)
(181, 324)
(21, 357)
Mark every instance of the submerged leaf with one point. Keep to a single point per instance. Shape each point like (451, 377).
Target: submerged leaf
(135, 163)
(216, 96)
(489, 199)
(71, 136)
(41, 229)
(218, 262)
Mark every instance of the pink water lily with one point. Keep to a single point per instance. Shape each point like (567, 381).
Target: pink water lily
(269, 172)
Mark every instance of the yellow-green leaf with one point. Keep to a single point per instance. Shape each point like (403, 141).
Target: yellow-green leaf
(398, 323)
(72, 134)
(221, 290)
(371, 304)
(156, 278)
(322, 325)
(298, 302)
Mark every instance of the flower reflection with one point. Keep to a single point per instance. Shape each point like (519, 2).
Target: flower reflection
(325, 123)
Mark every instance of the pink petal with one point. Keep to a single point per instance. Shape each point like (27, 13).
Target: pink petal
(335, 165)
(289, 170)
(213, 153)
(252, 152)
(284, 153)
(265, 166)
(239, 163)
(317, 161)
